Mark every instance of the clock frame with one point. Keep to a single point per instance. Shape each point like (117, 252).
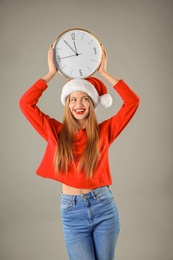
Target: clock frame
(77, 53)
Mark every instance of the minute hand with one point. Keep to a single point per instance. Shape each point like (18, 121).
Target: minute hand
(70, 56)
(70, 47)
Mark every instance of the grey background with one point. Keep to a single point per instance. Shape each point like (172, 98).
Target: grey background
(138, 37)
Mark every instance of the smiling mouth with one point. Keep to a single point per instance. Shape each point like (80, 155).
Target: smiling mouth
(79, 111)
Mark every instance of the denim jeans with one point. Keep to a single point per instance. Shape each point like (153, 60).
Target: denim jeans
(91, 225)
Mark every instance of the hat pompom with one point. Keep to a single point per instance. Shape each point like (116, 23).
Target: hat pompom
(106, 100)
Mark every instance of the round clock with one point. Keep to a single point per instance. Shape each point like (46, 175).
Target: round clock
(77, 53)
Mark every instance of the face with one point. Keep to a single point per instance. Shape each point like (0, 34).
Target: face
(79, 105)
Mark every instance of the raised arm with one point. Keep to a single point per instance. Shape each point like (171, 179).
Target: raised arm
(29, 100)
(118, 122)
(103, 69)
(51, 66)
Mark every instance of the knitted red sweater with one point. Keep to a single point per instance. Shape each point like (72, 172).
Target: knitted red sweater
(49, 129)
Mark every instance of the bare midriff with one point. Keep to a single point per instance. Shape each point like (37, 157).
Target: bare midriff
(73, 191)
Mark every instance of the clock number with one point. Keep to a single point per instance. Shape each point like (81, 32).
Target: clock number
(80, 73)
(95, 50)
(73, 36)
(59, 58)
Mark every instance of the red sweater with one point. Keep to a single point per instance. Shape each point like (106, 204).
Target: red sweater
(49, 129)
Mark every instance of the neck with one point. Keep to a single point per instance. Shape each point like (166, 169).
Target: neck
(82, 124)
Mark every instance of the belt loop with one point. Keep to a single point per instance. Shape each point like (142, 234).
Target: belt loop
(94, 195)
(74, 200)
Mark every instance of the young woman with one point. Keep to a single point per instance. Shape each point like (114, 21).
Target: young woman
(77, 156)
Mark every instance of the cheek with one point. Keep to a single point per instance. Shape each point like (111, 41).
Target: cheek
(70, 107)
(87, 105)
(88, 110)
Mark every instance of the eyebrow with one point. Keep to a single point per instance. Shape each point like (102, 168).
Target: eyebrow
(80, 97)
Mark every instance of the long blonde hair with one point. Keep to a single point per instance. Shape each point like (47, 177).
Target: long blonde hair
(64, 152)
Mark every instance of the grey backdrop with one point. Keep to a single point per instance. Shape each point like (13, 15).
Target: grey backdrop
(138, 36)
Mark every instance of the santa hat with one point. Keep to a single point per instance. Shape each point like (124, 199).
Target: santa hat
(92, 86)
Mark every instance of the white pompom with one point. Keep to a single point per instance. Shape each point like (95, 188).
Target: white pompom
(106, 100)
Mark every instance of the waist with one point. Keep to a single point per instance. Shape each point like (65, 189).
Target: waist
(68, 190)
(93, 193)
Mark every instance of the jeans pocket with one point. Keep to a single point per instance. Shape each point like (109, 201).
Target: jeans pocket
(105, 196)
(66, 205)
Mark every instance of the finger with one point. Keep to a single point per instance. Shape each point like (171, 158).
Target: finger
(103, 50)
(51, 47)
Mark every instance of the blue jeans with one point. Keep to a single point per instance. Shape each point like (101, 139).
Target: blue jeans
(91, 225)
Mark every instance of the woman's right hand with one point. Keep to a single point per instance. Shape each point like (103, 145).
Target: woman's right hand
(51, 66)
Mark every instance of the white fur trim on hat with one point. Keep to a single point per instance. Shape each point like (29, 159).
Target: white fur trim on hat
(80, 85)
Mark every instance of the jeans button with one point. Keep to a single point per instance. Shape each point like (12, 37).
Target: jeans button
(85, 197)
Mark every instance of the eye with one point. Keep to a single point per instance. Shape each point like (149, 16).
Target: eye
(73, 99)
(85, 98)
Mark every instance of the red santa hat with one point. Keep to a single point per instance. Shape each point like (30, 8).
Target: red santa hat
(94, 87)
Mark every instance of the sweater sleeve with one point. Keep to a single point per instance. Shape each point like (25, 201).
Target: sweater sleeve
(28, 105)
(130, 104)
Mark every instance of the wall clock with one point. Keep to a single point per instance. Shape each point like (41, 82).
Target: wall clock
(77, 53)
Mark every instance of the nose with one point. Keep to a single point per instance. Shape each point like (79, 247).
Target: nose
(79, 102)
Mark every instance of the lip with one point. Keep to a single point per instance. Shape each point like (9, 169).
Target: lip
(79, 111)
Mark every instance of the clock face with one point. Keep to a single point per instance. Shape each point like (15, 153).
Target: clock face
(77, 53)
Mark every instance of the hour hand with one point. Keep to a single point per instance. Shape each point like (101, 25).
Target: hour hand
(75, 47)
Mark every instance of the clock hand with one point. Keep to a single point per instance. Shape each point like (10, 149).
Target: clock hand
(70, 47)
(70, 56)
(75, 47)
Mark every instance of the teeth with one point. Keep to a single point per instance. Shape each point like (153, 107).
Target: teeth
(79, 110)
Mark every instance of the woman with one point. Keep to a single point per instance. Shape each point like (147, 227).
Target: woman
(77, 156)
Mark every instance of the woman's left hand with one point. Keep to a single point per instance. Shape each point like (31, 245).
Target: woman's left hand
(102, 70)
(103, 66)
